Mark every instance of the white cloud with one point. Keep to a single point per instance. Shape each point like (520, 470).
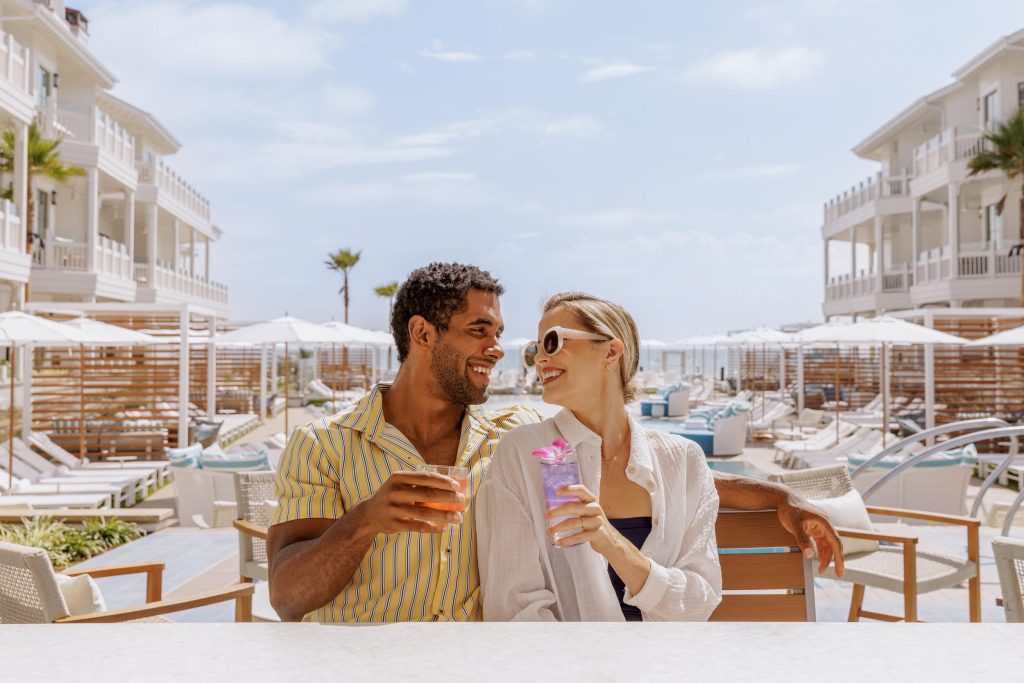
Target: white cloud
(612, 71)
(437, 51)
(756, 68)
(578, 126)
(355, 10)
(348, 99)
(516, 118)
(444, 189)
(746, 172)
(616, 218)
(519, 55)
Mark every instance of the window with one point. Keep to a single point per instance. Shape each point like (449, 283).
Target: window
(992, 221)
(42, 211)
(44, 87)
(1020, 94)
(988, 110)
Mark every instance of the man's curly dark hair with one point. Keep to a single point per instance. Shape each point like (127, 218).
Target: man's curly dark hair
(436, 292)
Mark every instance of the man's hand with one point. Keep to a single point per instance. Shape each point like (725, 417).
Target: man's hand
(393, 508)
(805, 522)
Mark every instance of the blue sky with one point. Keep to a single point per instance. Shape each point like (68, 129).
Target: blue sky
(671, 156)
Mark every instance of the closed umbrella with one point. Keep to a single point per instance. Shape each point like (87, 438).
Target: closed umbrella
(286, 330)
(16, 328)
(884, 331)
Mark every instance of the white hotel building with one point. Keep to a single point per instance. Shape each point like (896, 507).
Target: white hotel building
(130, 229)
(921, 233)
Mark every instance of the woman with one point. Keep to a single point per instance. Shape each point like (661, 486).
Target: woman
(644, 547)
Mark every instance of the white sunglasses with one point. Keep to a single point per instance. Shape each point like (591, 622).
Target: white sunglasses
(552, 342)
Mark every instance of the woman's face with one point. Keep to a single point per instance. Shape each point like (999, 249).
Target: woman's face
(578, 373)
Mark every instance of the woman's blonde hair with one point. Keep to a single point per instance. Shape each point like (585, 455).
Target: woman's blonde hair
(604, 317)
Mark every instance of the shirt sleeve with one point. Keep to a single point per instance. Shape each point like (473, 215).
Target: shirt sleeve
(690, 588)
(307, 485)
(512, 584)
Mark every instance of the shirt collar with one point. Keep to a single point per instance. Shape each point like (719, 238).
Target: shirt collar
(575, 432)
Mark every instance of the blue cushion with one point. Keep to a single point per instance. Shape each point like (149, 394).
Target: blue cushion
(704, 438)
(184, 457)
(960, 456)
(214, 460)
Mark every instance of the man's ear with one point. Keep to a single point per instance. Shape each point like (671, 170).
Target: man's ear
(421, 332)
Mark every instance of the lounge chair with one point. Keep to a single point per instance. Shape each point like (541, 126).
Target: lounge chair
(63, 500)
(30, 592)
(1009, 554)
(44, 444)
(827, 437)
(30, 465)
(674, 402)
(899, 567)
(720, 431)
(863, 441)
(118, 494)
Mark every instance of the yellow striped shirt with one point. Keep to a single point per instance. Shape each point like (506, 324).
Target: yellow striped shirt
(334, 463)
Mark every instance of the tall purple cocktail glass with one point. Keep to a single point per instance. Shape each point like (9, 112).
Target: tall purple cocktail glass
(558, 469)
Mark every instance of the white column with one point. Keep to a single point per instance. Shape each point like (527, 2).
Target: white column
(26, 390)
(129, 229)
(273, 368)
(20, 180)
(152, 233)
(92, 216)
(206, 259)
(799, 379)
(929, 376)
(263, 383)
(183, 379)
(915, 226)
(211, 372)
(782, 371)
(880, 255)
(192, 252)
(853, 252)
(177, 244)
(826, 262)
(953, 227)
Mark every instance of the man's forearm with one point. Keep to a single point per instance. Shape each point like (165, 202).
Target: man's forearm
(744, 493)
(306, 575)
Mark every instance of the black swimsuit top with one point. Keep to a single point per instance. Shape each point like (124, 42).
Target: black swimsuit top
(636, 529)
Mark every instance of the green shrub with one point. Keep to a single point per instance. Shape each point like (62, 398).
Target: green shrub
(66, 544)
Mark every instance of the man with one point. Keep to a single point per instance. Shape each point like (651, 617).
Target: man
(349, 542)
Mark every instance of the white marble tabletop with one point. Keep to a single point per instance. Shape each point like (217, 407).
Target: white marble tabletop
(524, 653)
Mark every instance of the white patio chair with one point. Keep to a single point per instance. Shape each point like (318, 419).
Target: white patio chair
(30, 592)
(1009, 553)
(899, 567)
(252, 491)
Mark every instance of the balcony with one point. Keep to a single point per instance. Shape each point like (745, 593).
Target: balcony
(14, 262)
(99, 129)
(866, 192)
(14, 63)
(172, 187)
(937, 154)
(868, 293)
(63, 268)
(168, 286)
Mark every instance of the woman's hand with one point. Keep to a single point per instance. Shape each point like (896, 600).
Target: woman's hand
(587, 516)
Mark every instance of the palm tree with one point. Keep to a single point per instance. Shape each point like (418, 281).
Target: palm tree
(1004, 152)
(43, 162)
(388, 292)
(343, 260)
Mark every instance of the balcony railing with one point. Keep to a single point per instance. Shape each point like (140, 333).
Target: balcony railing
(897, 278)
(157, 173)
(11, 234)
(952, 144)
(164, 277)
(994, 262)
(875, 187)
(14, 62)
(111, 258)
(933, 265)
(98, 128)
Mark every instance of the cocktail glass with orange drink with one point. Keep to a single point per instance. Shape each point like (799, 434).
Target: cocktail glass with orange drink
(459, 474)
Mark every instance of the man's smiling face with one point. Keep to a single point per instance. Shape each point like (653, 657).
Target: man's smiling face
(465, 354)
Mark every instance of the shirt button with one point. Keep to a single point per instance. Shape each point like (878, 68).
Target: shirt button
(650, 484)
(655, 521)
(440, 611)
(631, 470)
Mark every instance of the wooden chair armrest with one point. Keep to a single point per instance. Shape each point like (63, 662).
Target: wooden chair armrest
(930, 516)
(893, 536)
(250, 529)
(240, 592)
(154, 576)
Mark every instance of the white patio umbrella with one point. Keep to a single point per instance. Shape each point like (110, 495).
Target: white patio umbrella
(703, 342)
(1014, 337)
(286, 330)
(763, 336)
(16, 328)
(883, 330)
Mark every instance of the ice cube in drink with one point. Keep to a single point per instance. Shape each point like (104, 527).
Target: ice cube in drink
(459, 474)
(556, 476)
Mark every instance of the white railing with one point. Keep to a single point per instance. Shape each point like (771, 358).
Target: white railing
(897, 278)
(97, 127)
(164, 277)
(988, 263)
(11, 234)
(159, 174)
(846, 287)
(14, 62)
(875, 187)
(953, 144)
(932, 266)
(112, 258)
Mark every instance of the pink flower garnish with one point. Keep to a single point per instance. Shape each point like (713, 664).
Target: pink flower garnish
(557, 452)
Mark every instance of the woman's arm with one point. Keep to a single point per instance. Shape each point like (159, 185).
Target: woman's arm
(691, 587)
(512, 583)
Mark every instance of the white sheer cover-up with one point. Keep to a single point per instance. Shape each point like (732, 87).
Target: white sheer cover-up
(525, 578)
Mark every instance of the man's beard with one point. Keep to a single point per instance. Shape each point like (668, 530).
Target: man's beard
(450, 373)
